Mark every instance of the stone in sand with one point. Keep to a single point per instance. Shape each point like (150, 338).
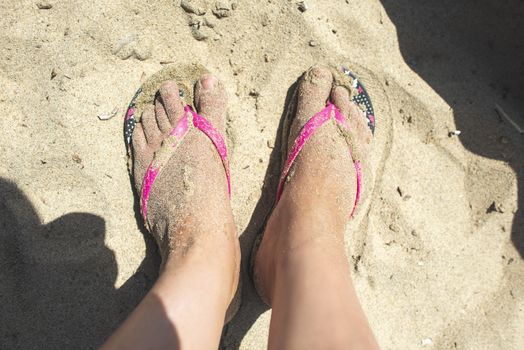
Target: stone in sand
(201, 29)
(302, 6)
(130, 46)
(198, 7)
(222, 9)
(44, 5)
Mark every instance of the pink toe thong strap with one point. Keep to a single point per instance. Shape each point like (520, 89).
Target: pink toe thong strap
(178, 133)
(308, 130)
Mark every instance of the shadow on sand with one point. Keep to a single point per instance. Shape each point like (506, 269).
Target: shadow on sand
(452, 43)
(57, 280)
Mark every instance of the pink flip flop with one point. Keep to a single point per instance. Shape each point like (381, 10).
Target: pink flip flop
(330, 112)
(190, 121)
(312, 125)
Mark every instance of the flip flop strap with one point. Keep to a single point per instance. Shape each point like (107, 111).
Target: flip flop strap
(308, 130)
(178, 133)
(214, 135)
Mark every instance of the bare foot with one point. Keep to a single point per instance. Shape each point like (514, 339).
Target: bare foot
(320, 191)
(189, 211)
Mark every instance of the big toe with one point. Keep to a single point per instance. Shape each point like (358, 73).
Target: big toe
(313, 93)
(211, 100)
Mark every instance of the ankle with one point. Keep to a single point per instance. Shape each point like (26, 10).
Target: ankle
(292, 237)
(214, 252)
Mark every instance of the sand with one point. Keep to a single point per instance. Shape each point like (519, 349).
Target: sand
(437, 252)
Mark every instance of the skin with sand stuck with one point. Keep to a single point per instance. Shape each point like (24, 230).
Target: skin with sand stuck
(301, 265)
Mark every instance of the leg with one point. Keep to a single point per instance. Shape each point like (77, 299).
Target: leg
(302, 265)
(194, 228)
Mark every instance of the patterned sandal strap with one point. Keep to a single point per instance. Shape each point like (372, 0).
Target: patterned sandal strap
(308, 130)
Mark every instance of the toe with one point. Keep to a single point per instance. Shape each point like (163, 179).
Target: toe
(139, 139)
(170, 96)
(359, 123)
(313, 93)
(211, 100)
(161, 116)
(355, 116)
(340, 97)
(150, 127)
(142, 155)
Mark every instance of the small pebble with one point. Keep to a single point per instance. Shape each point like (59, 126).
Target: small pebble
(454, 133)
(312, 43)
(254, 93)
(302, 6)
(54, 73)
(129, 46)
(495, 207)
(199, 34)
(44, 5)
(271, 144)
(110, 115)
(222, 9)
(198, 7)
(427, 342)
(142, 52)
(76, 158)
(210, 22)
(201, 28)
(394, 227)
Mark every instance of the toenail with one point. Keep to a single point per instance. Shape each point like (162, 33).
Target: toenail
(168, 90)
(208, 82)
(321, 73)
(319, 76)
(167, 86)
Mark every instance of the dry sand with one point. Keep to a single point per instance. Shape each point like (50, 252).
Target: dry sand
(435, 264)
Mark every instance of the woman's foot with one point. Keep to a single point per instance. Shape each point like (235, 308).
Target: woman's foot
(321, 188)
(189, 215)
(188, 209)
(301, 267)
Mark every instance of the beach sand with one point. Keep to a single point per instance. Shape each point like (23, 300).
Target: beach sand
(437, 251)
